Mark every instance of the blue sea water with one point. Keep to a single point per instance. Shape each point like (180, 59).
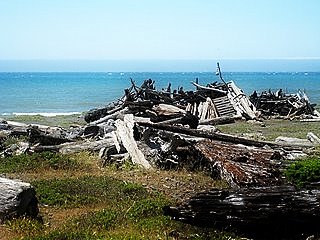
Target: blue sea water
(70, 92)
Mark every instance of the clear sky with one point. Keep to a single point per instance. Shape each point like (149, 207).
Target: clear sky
(159, 29)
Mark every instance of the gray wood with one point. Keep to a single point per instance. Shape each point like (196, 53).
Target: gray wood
(17, 199)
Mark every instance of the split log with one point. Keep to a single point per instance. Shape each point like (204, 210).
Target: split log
(274, 212)
(125, 133)
(17, 199)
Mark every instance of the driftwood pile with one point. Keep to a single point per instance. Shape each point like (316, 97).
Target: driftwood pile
(282, 105)
(212, 103)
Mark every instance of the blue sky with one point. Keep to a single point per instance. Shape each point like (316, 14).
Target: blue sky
(161, 30)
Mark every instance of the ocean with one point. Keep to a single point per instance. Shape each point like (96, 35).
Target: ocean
(59, 93)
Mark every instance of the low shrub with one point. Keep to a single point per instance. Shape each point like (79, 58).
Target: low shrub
(304, 171)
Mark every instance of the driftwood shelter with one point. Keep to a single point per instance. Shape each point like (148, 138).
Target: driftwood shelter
(176, 128)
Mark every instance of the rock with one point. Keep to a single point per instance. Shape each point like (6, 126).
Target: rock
(17, 199)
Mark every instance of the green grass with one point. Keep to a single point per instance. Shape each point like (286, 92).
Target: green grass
(304, 171)
(272, 129)
(62, 121)
(44, 160)
(119, 210)
(85, 190)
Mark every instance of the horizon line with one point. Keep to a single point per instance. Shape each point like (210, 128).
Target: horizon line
(160, 59)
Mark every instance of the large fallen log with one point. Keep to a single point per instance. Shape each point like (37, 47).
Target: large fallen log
(275, 212)
(239, 165)
(17, 199)
(222, 136)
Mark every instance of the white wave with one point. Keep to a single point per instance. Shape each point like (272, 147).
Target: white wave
(45, 114)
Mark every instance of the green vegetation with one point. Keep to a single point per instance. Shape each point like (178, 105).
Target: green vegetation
(271, 129)
(13, 140)
(78, 200)
(304, 171)
(120, 210)
(62, 121)
(84, 190)
(44, 160)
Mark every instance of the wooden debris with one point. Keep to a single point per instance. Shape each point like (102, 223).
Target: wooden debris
(239, 165)
(17, 199)
(280, 104)
(125, 132)
(67, 148)
(273, 212)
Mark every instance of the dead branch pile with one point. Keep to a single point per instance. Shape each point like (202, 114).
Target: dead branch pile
(279, 104)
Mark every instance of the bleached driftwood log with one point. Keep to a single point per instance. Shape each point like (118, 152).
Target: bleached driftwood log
(167, 109)
(125, 133)
(294, 141)
(17, 199)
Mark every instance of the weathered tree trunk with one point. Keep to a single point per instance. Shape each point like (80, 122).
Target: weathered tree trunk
(17, 199)
(67, 148)
(220, 136)
(275, 212)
